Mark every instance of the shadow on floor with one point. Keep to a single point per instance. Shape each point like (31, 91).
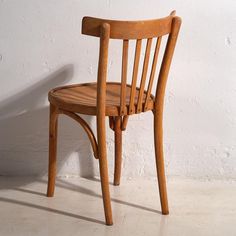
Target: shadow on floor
(55, 211)
(73, 187)
(24, 129)
(66, 185)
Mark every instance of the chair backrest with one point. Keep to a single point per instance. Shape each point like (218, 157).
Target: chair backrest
(135, 30)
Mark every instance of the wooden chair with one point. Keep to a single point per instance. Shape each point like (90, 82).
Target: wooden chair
(117, 100)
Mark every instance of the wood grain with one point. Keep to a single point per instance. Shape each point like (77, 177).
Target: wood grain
(128, 29)
(144, 75)
(82, 98)
(152, 75)
(53, 124)
(133, 91)
(118, 150)
(101, 131)
(124, 77)
(118, 100)
(158, 113)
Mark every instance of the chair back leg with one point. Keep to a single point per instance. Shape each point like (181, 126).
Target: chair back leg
(158, 142)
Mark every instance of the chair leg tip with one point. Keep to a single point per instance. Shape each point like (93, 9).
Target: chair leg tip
(50, 194)
(116, 184)
(165, 212)
(109, 223)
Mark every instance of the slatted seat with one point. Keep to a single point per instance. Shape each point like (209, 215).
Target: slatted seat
(81, 98)
(119, 100)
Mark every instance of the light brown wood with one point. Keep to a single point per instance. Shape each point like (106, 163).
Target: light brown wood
(118, 149)
(118, 100)
(111, 122)
(82, 98)
(158, 113)
(154, 64)
(101, 131)
(124, 77)
(133, 91)
(124, 123)
(53, 124)
(165, 66)
(128, 29)
(144, 75)
(158, 143)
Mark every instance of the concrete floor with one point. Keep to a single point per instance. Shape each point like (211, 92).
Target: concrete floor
(196, 208)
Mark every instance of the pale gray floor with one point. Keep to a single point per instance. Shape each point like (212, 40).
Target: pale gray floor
(196, 208)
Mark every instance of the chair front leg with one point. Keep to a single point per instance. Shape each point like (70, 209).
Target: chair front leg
(53, 123)
(105, 188)
(103, 166)
(158, 141)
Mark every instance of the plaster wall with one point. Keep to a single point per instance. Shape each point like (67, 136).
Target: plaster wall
(41, 47)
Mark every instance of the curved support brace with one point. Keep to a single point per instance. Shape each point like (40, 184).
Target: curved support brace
(86, 128)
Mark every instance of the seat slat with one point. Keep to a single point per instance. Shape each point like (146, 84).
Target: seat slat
(116, 100)
(84, 99)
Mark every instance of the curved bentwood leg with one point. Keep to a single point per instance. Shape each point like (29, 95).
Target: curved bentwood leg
(158, 141)
(53, 123)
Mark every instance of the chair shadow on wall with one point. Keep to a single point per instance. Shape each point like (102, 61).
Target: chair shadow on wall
(24, 132)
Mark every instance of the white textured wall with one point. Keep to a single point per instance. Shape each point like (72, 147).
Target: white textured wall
(41, 47)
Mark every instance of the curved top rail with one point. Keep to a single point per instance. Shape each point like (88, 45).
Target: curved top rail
(128, 29)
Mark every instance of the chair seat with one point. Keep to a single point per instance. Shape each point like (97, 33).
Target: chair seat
(81, 98)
